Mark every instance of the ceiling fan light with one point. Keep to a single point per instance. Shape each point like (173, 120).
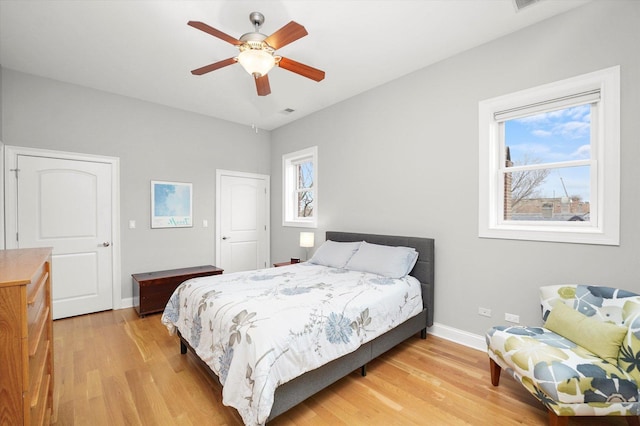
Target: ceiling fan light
(256, 62)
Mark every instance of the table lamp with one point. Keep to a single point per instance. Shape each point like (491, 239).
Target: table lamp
(306, 241)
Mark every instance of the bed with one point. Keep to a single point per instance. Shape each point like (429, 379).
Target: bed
(247, 377)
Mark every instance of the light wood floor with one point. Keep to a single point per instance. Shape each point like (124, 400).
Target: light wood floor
(113, 368)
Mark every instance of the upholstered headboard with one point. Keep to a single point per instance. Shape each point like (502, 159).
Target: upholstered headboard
(423, 270)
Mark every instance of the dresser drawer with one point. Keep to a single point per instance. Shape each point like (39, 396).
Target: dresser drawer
(38, 383)
(40, 375)
(35, 306)
(37, 296)
(42, 410)
(38, 329)
(38, 281)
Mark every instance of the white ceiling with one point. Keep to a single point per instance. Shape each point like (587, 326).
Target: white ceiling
(145, 49)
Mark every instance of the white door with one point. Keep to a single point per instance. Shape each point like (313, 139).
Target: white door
(242, 221)
(67, 204)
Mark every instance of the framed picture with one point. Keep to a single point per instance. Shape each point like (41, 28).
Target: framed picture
(171, 204)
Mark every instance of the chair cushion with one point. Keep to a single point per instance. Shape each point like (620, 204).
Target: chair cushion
(601, 338)
(564, 371)
(606, 304)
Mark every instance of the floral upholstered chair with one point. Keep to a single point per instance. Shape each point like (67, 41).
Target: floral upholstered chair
(584, 361)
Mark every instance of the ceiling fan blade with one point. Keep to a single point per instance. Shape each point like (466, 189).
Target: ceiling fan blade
(262, 85)
(285, 35)
(216, 33)
(214, 66)
(302, 69)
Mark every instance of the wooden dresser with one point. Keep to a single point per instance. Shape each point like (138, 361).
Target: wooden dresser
(26, 337)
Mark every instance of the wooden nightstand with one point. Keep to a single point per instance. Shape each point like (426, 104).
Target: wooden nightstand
(152, 290)
(285, 263)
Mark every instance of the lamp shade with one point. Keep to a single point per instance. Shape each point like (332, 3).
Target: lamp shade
(307, 239)
(256, 62)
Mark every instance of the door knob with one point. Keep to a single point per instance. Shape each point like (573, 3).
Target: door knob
(106, 244)
(225, 238)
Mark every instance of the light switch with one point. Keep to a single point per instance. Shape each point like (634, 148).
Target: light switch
(132, 224)
(205, 223)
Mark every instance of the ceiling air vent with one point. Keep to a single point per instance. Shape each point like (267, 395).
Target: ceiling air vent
(287, 111)
(521, 4)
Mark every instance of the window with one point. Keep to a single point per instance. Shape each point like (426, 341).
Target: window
(300, 188)
(550, 162)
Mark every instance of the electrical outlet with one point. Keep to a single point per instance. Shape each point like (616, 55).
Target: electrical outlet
(512, 318)
(485, 312)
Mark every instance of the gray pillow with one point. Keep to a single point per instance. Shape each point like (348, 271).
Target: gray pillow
(392, 262)
(334, 254)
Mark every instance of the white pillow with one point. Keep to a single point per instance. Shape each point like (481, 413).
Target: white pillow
(392, 262)
(334, 254)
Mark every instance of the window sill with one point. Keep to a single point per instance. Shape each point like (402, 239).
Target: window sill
(301, 224)
(555, 234)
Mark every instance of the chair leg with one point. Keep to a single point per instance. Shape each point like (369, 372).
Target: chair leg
(495, 372)
(633, 420)
(556, 420)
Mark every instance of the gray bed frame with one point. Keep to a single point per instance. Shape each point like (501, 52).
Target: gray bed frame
(297, 390)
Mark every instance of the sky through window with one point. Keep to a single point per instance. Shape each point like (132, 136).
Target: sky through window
(551, 137)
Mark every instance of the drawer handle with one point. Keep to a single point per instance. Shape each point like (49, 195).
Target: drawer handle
(36, 290)
(41, 379)
(35, 337)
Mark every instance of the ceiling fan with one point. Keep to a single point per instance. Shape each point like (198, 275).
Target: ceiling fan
(257, 52)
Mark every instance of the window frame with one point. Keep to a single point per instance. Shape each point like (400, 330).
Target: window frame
(604, 225)
(290, 188)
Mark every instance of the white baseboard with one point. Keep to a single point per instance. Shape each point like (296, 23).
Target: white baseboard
(474, 341)
(126, 303)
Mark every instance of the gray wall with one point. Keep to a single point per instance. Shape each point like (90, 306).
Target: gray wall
(403, 159)
(153, 143)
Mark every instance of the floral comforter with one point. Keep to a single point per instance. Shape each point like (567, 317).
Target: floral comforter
(262, 328)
